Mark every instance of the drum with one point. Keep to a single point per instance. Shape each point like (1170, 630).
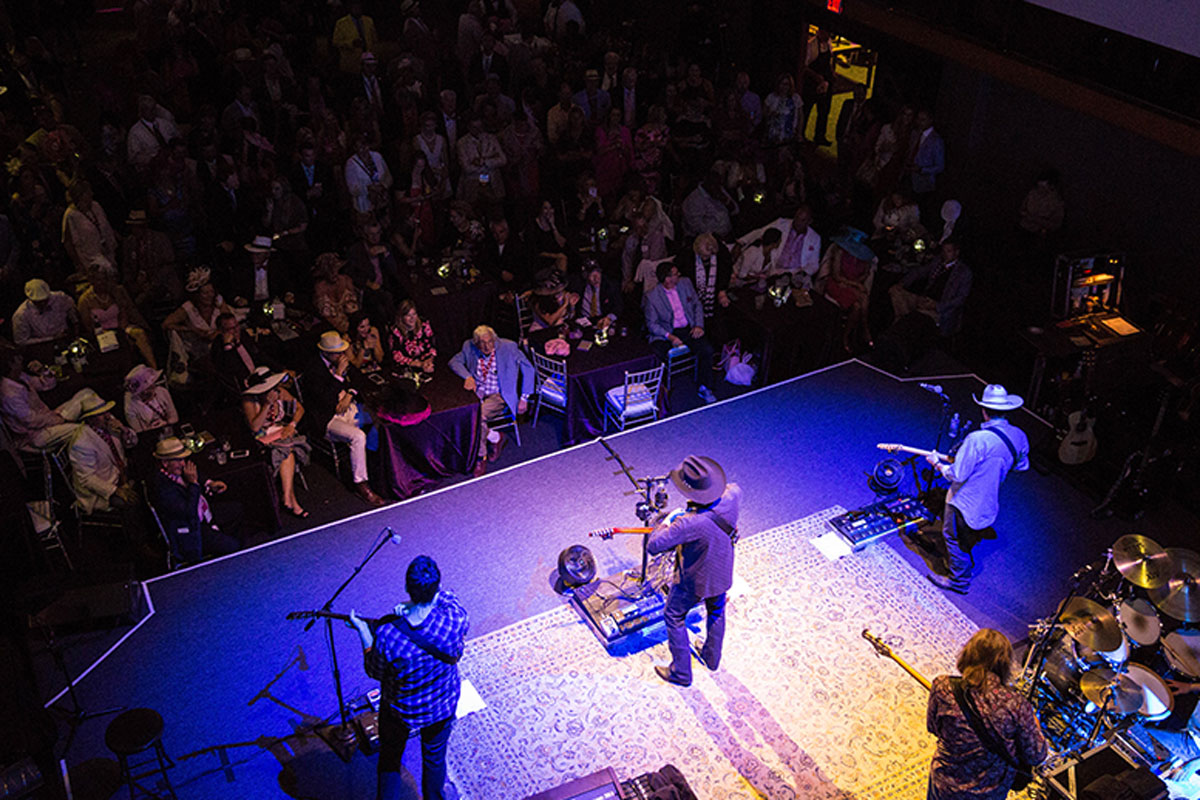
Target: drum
(1157, 700)
(1182, 651)
(1088, 657)
(1139, 621)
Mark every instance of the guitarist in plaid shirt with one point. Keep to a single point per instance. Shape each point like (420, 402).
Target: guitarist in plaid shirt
(414, 655)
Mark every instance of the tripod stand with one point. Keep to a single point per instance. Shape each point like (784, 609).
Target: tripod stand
(76, 715)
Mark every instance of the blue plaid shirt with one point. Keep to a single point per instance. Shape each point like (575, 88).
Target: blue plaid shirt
(417, 687)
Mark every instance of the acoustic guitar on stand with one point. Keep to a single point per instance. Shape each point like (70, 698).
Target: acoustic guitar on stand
(1078, 445)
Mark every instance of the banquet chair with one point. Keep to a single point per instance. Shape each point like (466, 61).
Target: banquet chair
(47, 526)
(551, 384)
(635, 400)
(680, 361)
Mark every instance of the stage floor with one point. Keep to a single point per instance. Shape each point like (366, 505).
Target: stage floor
(233, 679)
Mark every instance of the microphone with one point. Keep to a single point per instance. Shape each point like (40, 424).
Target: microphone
(395, 537)
(936, 388)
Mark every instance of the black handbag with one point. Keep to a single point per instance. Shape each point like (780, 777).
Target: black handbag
(1024, 776)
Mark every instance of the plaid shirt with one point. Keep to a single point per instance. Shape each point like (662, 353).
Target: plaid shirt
(420, 689)
(487, 378)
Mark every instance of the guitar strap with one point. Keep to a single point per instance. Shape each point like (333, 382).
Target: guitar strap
(418, 637)
(1007, 443)
(729, 530)
(967, 706)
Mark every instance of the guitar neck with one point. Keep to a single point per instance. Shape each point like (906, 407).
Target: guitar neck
(903, 448)
(329, 615)
(883, 649)
(633, 530)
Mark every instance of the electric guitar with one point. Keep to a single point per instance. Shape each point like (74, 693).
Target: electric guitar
(916, 451)
(1024, 778)
(329, 615)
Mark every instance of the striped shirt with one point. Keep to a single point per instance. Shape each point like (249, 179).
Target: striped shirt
(417, 687)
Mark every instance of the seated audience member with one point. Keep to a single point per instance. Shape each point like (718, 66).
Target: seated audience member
(505, 258)
(709, 266)
(501, 376)
(371, 265)
(709, 208)
(366, 347)
(198, 525)
(674, 317)
(148, 403)
(757, 259)
(896, 216)
(585, 209)
(261, 274)
(334, 409)
(33, 424)
(800, 249)
(99, 469)
(44, 316)
(193, 326)
(551, 303)
(937, 289)
(543, 237)
(105, 305)
(410, 340)
(599, 297)
(334, 295)
(235, 354)
(273, 414)
(849, 268)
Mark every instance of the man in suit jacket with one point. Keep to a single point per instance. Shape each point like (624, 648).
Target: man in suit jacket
(487, 62)
(197, 525)
(235, 356)
(705, 533)
(938, 289)
(675, 317)
(599, 297)
(501, 376)
(331, 405)
(928, 156)
(506, 259)
(594, 101)
(313, 182)
(99, 469)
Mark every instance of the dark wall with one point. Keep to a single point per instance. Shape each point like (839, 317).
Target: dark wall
(1122, 192)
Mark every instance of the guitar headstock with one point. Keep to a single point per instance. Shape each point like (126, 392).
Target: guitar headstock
(881, 647)
(889, 447)
(601, 533)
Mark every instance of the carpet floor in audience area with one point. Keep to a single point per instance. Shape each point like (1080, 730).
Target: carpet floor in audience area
(800, 708)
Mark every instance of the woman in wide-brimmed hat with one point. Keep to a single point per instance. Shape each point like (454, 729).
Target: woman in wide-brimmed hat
(148, 404)
(850, 265)
(273, 413)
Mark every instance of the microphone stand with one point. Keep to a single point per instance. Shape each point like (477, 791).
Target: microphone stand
(76, 715)
(654, 498)
(342, 738)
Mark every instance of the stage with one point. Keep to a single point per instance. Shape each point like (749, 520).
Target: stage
(238, 684)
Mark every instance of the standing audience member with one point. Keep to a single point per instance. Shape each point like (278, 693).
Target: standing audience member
(927, 160)
(353, 35)
(368, 178)
(709, 208)
(86, 232)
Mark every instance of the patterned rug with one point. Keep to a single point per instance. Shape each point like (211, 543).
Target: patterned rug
(801, 707)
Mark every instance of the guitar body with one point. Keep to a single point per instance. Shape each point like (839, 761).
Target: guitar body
(1079, 444)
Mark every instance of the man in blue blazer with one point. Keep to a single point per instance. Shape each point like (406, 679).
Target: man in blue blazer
(928, 159)
(501, 376)
(674, 317)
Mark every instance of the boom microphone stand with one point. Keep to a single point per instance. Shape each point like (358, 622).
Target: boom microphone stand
(76, 715)
(341, 737)
(654, 499)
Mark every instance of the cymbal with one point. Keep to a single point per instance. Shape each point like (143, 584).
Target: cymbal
(1091, 624)
(1179, 596)
(1123, 694)
(1142, 561)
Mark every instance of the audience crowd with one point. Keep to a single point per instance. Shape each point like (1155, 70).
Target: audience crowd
(232, 167)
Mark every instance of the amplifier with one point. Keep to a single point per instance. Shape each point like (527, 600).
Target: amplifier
(895, 514)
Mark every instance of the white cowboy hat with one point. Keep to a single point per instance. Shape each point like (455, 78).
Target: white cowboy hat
(332, 342)
(701, 479)
(261, 244)
(997, 398)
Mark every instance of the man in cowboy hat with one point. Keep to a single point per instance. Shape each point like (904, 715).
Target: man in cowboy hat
(981, 464)
(99, 469)
(333, 409)
(197, 525)
(705, 533)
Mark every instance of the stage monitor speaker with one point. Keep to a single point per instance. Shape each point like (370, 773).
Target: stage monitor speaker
(1100, 770)
(601, 785)
(102, 605)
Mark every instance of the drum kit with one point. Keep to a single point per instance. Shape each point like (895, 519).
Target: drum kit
(1103, 661)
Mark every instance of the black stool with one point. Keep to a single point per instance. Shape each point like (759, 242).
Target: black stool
(133, 732)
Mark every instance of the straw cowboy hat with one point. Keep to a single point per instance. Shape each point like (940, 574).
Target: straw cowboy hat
(700, 478)
(93, 406)
(171, 448)
(261, 244)
(332, 342)
(997, 398)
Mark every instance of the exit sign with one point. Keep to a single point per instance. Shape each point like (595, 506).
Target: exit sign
(834, 5)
